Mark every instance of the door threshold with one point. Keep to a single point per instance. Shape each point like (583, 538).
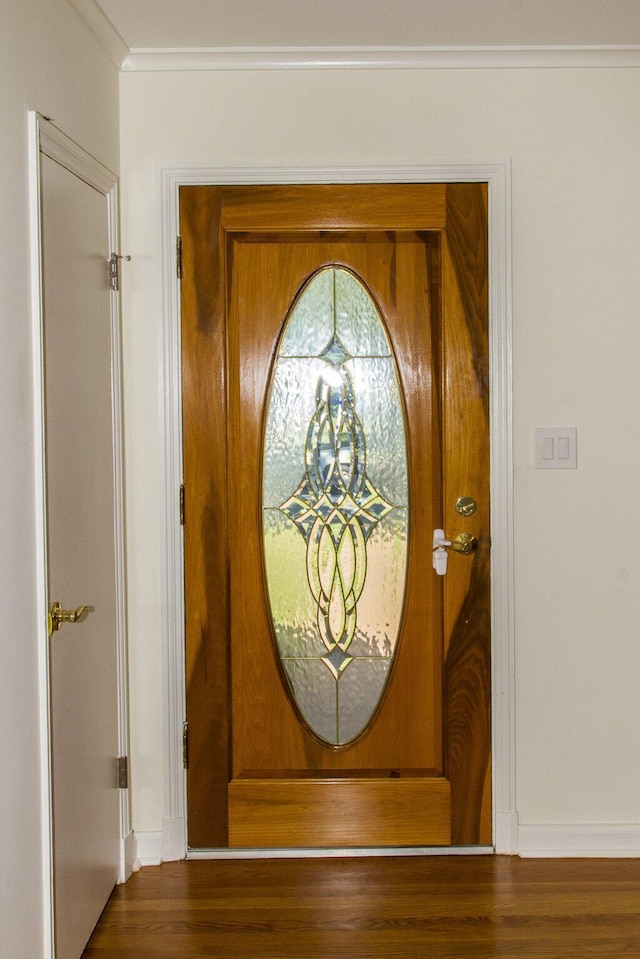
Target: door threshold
(334, 853)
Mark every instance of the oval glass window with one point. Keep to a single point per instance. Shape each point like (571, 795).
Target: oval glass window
(335, 498)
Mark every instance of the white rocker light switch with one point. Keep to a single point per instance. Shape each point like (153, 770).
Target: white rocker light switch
(555, 448)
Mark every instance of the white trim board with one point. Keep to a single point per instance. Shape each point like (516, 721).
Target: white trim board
(129, 856)
(587, 840)
(497, 174)
(463, 57)
(149, 850)
(37, 361)
(140, 60)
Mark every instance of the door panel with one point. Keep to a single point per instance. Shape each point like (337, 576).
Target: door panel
(268, 739)
(266, 732)
(467, 628)
(81, 553)
(339, 812)
(257, 775)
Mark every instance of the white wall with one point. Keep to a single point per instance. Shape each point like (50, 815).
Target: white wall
(51, 64)
(574, 137)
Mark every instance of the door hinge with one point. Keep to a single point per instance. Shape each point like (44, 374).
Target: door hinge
(185, 745)
(113, 270)
(182, 505)
(123, 772)
(179, 257)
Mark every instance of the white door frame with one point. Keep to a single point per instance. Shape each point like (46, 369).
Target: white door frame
(45, 139)
(497, 174)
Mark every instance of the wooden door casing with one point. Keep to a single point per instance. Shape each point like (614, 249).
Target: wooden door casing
(264, 234)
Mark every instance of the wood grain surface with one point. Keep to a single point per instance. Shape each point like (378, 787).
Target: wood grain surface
(396, 811)
(247, 252)
(465, 404)
(267, 732)
(447, 907)
(205, 532)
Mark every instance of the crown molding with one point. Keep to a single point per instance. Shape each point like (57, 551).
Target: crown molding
(101, 28)
(141, 60)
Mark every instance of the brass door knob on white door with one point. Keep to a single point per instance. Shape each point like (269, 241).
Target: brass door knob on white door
(58, 616)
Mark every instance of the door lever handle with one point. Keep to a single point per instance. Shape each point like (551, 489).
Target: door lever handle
(464, 543)
(440, 558)
(58, 616)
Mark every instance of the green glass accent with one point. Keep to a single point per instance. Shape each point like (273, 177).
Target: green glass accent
(336, 543)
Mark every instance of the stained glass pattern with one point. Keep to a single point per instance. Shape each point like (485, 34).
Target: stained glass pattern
(335, 547)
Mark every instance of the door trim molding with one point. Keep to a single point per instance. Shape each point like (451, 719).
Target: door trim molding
(45, 139)
(497, 174)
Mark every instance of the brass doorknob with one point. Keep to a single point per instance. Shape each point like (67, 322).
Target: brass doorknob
(464, 543)
(58, 616)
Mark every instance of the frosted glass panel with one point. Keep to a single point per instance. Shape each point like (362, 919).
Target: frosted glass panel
(357, 323)
(380, 607)
(358, 694)
(316, 694)
(311, 324)
(290, 410)
(386, 458)
(292, 606)
(335, 505)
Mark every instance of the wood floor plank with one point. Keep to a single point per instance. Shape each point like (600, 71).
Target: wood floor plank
(480, 907)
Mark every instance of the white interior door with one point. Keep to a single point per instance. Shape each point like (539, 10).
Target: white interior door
(81, 552)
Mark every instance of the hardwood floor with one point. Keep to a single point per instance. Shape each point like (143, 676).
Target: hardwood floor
(400, 908)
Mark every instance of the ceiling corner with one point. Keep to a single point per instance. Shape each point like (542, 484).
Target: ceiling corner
(101, 28)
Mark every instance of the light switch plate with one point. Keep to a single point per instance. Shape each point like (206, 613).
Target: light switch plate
(555, 448)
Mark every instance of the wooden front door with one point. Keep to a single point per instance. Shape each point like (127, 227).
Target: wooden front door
(259, 773)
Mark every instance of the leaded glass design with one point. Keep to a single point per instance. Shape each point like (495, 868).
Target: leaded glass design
(335, 505)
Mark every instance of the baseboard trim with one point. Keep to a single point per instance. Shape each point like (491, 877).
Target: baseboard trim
(128, 856)
(149, 849)
(550, 841)
(174, 839)
(594, 840)
(153, 848)
(505, 833)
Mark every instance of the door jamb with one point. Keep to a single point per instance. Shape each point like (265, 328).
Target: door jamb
(497, 174)
(46, 139)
